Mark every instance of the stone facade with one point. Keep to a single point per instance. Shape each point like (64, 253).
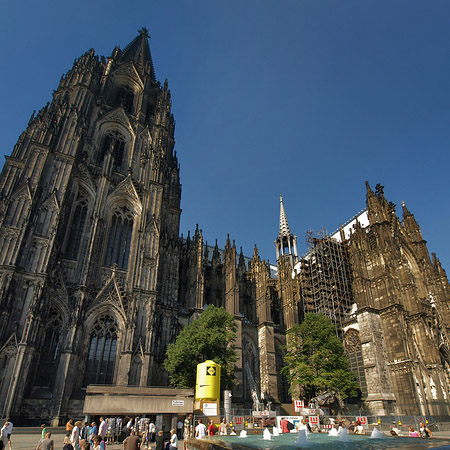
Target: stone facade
(402, 314)
(95, 280)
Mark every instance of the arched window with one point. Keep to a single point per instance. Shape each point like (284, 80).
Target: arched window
(50, 351)
(77, 228)
(102, 352)
(114, 142)
(118, 250)
(125, 98)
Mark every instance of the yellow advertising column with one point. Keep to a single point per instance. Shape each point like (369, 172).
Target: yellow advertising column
(207, 388)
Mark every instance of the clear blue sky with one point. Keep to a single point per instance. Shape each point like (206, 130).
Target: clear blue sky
(307, 99)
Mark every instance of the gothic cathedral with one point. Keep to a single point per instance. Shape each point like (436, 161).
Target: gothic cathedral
(95, 280)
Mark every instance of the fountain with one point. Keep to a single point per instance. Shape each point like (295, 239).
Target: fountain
(275, 431)
(243, 434)
(266, 435)
(343, 435)
(302, 439)
(376, 434)
(333, 432)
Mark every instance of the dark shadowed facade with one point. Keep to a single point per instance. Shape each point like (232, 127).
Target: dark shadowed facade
(95, 280)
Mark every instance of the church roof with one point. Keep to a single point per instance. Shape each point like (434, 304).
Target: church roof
(138, 51)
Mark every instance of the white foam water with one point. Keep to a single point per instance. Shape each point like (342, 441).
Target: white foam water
(377, 434)
(302, 439)
(266, 434)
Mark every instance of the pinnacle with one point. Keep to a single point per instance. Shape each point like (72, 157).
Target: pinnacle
(284, 226)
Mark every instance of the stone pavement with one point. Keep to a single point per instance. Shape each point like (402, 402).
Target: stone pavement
(29, 441)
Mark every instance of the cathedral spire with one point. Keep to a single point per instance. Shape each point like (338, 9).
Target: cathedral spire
(286, 242)
(138, 52)
(284, 226)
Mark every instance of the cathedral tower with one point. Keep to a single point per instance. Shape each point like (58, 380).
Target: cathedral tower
(400, 321)
(89, 246)
(286, 248)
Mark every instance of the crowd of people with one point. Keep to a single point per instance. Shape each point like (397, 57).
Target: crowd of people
(92, 436)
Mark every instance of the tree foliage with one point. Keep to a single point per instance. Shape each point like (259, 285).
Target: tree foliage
(316, 362)
(210, 337)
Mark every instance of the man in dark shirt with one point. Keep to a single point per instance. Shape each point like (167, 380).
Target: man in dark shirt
(132, 442)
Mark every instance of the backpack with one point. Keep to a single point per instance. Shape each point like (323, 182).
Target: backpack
(290, 425)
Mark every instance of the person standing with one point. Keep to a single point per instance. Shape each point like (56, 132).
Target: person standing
(200, 430)
(188, 426)
(75, 437)
(4, 434)
(211, 428)
(179, 429)
(69, 427)
(173, 445)
(152, 432)
(46, 443)
(160, 441)
(84, 433)
(284, 425)
(129, 426)
(223, 429)
(102, 428)
(9, 429)
(43, 431)
(132, 442)
(98, 443)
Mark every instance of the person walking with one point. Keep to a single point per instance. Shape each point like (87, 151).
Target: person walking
(75, 436)
(200, 430)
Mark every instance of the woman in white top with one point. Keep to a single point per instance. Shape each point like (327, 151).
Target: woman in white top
(173, 439)
(75, 437)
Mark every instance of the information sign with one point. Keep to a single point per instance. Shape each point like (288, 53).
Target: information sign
(298, 405)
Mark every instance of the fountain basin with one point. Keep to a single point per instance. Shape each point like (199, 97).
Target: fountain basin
(320, 440)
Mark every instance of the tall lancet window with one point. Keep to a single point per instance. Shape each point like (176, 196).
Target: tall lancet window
(114, 142)
(50, 351)
(119, 241)
(77, 228)
(102, 352)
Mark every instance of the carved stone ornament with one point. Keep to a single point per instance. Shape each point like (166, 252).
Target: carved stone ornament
(351, 340)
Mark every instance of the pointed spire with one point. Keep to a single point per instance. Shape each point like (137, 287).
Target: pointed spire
(286, 242)
(138, 51)
(284, 226)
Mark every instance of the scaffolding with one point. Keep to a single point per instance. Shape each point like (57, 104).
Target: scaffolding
(325, 279)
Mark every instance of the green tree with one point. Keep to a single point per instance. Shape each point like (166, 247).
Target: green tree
(210, 337)
(315, 360)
